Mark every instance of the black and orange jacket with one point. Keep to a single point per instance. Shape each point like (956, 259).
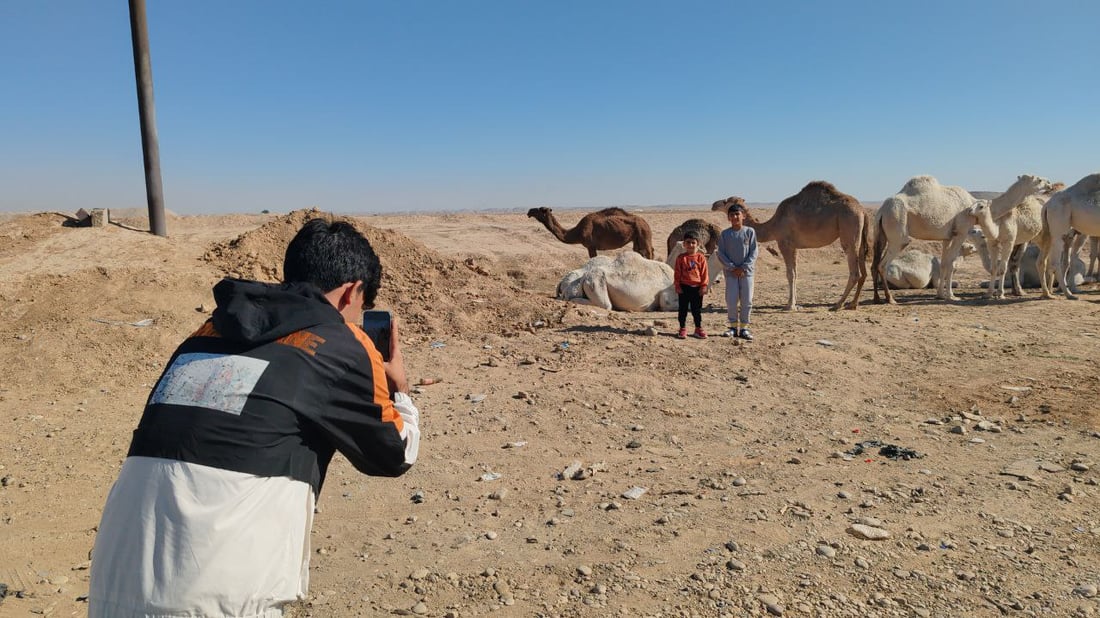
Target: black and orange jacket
(273, 385)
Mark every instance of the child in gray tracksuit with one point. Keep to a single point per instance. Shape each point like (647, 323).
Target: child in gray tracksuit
(737, 253)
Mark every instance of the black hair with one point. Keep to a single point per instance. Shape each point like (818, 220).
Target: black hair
(329, 255)
(691, 235)
(736, 207)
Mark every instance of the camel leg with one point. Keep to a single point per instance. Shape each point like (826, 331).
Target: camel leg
(790, 260)
(1000, 268)
(591, 252)
(1060, 250)
(861, 264)
(595, 289)
(993, 248)
(1079, 241)
(892, 252)
(1014, 268)
(854, 276)
(951, 249)
(1094, 257)
(1042, 266)
(878, 266)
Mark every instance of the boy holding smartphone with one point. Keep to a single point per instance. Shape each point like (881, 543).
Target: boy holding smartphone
(229, 457)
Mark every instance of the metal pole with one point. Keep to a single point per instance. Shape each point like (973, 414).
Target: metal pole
(143, 72)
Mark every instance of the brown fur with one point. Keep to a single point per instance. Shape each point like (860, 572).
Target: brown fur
(708, 234)
(607, 229)
(815, 217)
(724, 205)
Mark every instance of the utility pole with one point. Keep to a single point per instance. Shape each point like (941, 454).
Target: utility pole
(143, 72)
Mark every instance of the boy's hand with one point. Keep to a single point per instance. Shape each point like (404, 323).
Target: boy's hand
(703, 291)
(678, 290)
(739, 273)
(395, 367)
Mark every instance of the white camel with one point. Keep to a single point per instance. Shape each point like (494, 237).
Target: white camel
(1025, 263)
(926, 210)
(1075, 208)
(1011, 219)
(714, 266)
(1044, 269)
(916, 270)
(627, 282)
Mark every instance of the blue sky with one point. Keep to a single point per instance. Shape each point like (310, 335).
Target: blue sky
(398, 105)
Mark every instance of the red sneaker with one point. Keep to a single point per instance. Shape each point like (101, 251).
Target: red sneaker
(683, 334)
(700, 334)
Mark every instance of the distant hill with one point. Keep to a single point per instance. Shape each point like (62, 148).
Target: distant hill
(985, 195)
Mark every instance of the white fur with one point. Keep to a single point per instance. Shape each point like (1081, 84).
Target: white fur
(916, 270)
(627, 282)
(926, 210)
(1013, 218)
(1075, 208)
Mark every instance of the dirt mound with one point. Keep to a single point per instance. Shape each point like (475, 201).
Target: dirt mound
(22, 231)
(431, 294)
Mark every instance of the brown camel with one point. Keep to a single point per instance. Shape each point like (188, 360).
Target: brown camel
(707, 232)
(604, 230)
(815, 217)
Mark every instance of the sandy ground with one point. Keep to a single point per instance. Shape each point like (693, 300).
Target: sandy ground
(746, 453)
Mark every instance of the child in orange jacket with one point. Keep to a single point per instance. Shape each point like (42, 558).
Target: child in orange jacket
(690, 277)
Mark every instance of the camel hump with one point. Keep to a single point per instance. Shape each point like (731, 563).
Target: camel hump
(615, 211)
(919, 184)
(1088, 184)
(821, 186)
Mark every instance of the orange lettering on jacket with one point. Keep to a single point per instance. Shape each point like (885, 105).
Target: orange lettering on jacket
(304, 341)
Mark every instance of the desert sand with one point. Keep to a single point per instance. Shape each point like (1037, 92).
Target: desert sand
(712, 479)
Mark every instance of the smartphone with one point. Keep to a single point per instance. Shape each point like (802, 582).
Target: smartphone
(378, 325)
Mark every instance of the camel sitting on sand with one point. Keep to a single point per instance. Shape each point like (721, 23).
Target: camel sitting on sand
(815, 217)
(1009, 221)
(706, 231)
(610, 228)
(627, 282)
(916, 270)
(1076, 208)
(926, 210)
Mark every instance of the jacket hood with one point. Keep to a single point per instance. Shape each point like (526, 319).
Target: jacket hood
(255, 312)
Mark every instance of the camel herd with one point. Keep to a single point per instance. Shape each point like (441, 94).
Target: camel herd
(1056, 220)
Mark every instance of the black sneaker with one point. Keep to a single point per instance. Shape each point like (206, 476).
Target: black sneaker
(745, 334)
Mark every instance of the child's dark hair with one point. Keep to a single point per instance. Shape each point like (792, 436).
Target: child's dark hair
(736, 207)
(329, 255)
(691, 235)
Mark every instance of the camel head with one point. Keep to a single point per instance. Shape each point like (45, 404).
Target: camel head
(981, 213)
(1036, 184)
(542, 214)
(967, 249)
(724, 205)
(1055, 187)
(979, 209)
